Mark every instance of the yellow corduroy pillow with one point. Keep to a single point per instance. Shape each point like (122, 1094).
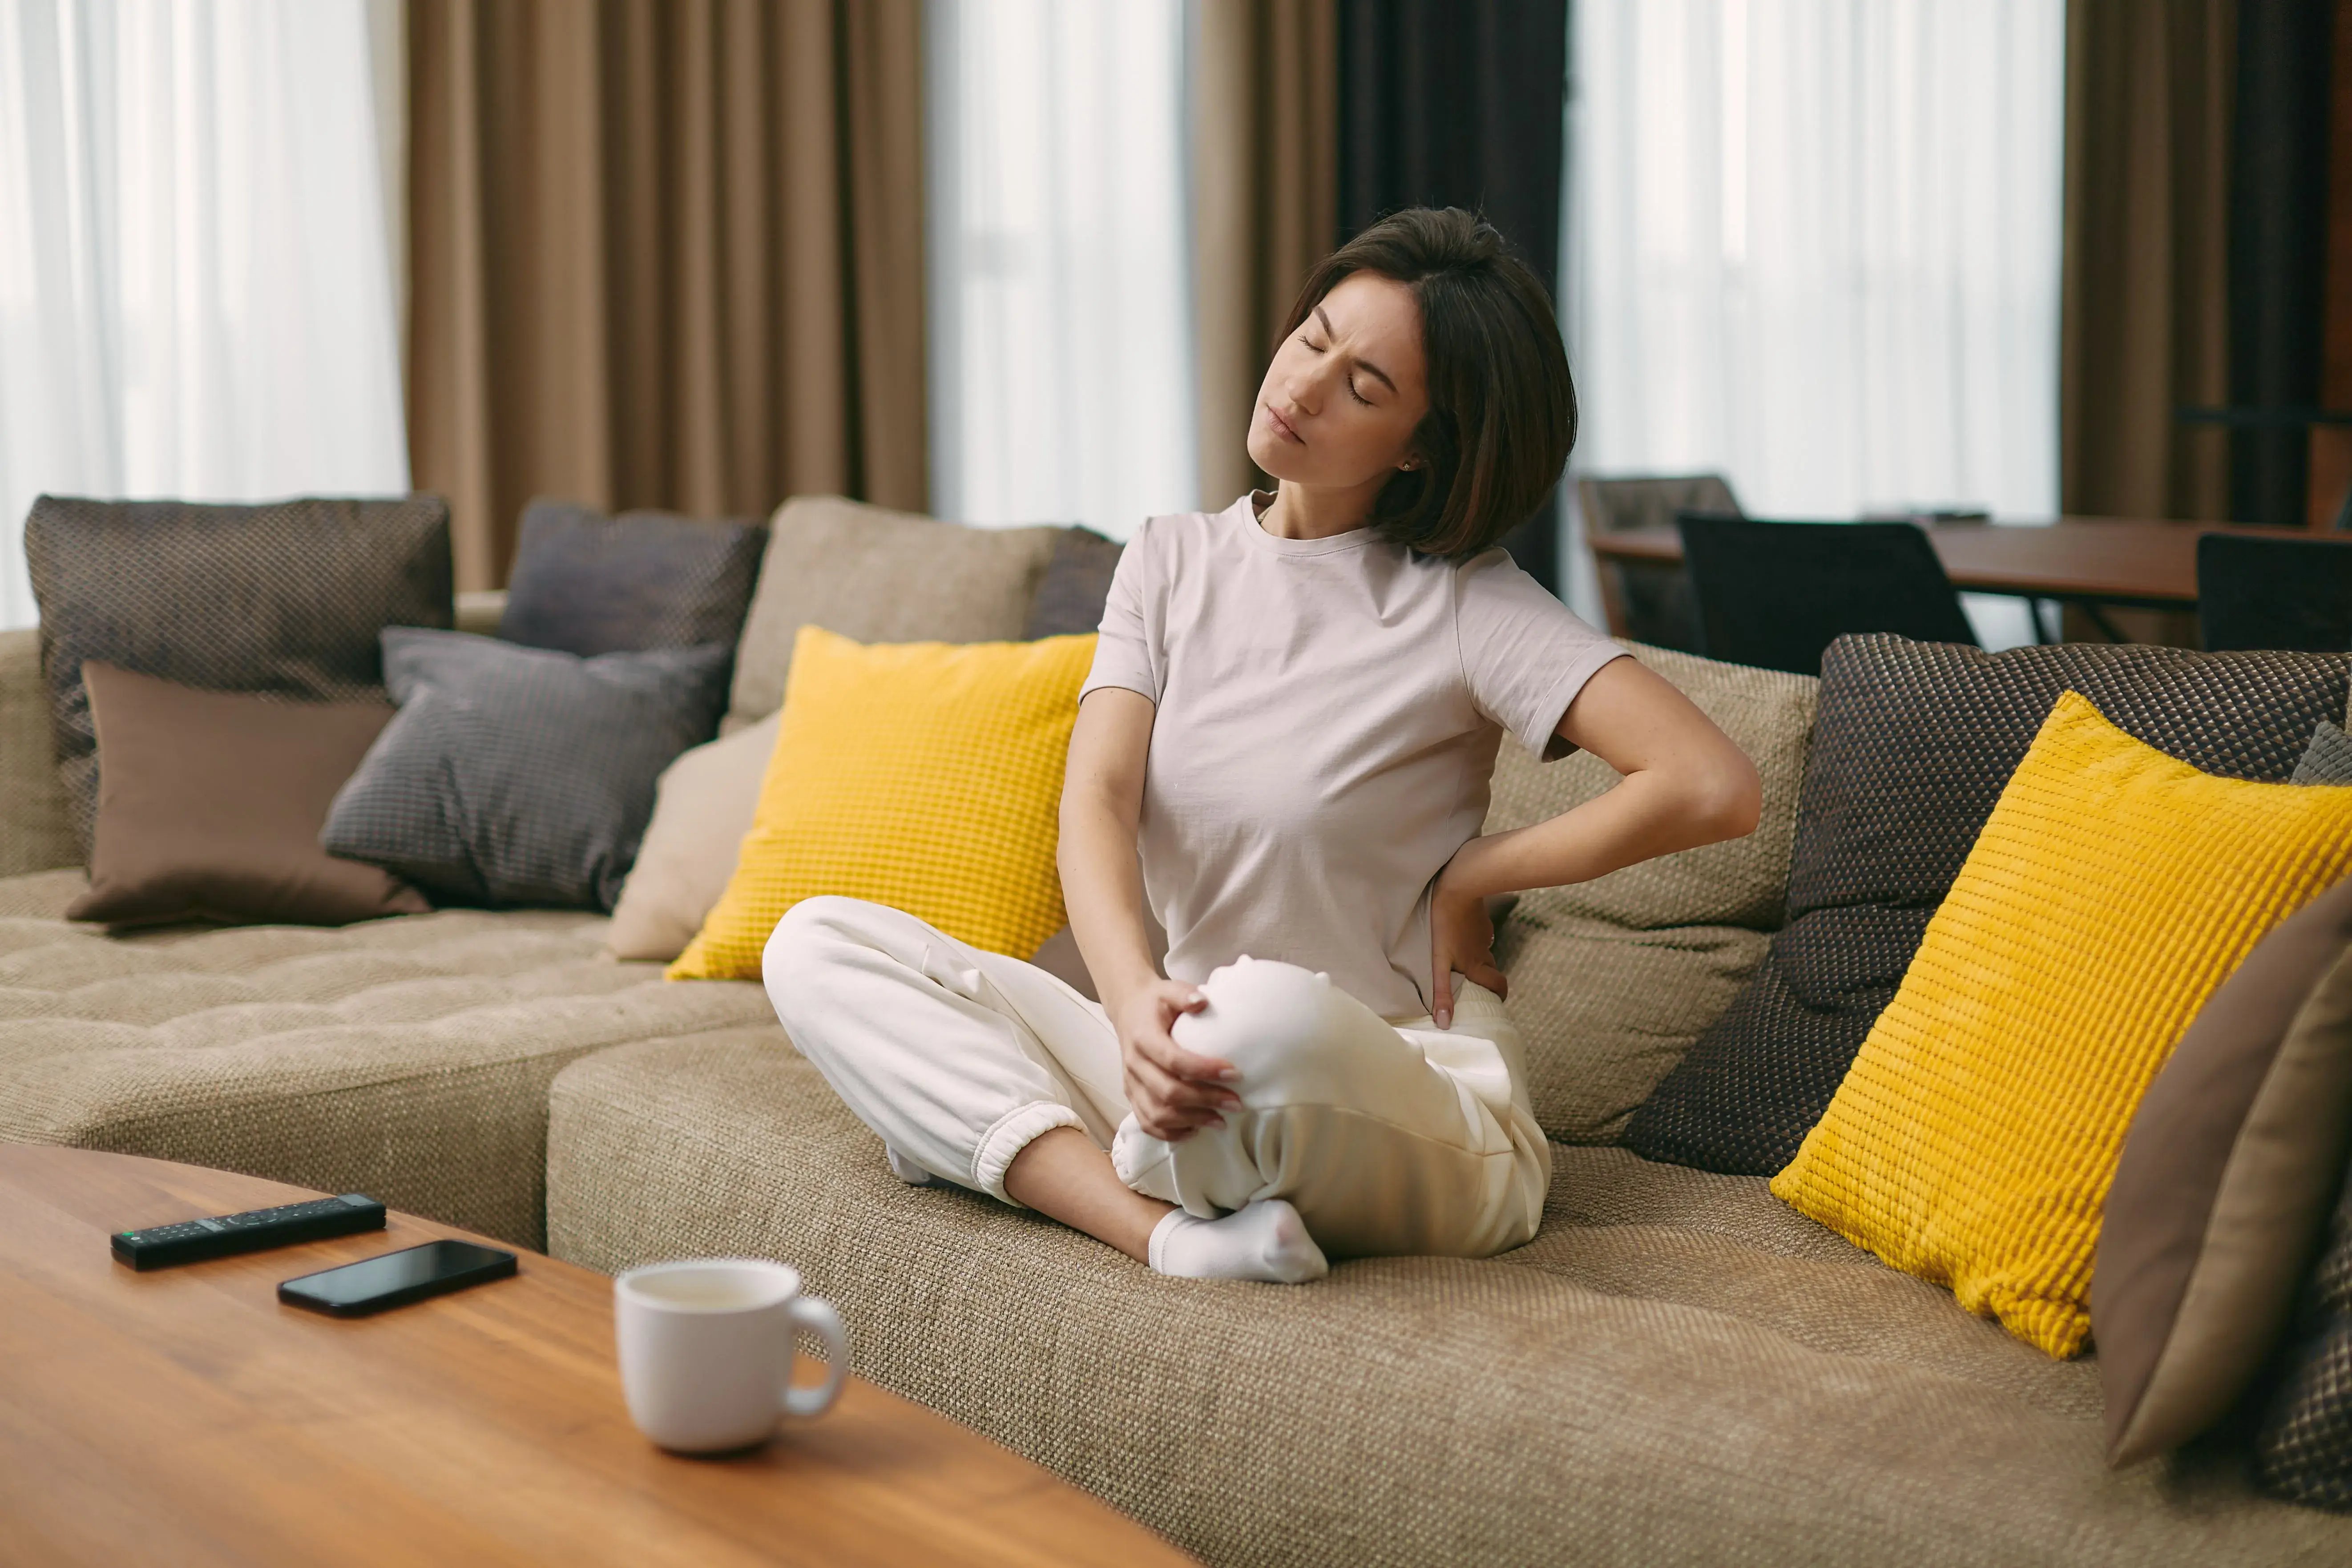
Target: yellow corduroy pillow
(2111, 892)
(927, 776)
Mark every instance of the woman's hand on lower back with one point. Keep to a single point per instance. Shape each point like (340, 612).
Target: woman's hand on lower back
(1461, 941)
(1173, 1092)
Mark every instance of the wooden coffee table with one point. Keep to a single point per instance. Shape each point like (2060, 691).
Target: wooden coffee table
(183, 1416)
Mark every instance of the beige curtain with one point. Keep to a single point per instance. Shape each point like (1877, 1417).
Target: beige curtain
(2144, 317)
(1266, 201)
(663, 253)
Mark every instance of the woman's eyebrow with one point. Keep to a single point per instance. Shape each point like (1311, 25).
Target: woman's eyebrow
(1361, 363)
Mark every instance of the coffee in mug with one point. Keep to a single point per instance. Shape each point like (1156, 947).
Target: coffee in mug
(707, 1350)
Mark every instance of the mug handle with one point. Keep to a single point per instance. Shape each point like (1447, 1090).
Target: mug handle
(810, 1315)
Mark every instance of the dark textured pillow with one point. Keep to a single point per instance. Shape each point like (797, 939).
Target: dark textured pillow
(1077, 580)
(212, 803)
(521, 776)
(2221, 1197)
(2327, 760)
(286, 598)
(2303, 1438)
(587, 583)
(1911, 746)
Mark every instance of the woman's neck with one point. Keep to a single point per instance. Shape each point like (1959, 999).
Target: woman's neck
(1298, 512)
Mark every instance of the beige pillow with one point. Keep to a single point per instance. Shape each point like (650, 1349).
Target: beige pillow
(702, 808)
(1611, 979)
(879, 576)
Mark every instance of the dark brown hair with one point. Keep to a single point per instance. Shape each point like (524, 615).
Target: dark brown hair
(1502, 409)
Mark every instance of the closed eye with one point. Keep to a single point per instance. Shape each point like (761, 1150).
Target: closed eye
(1314, 347)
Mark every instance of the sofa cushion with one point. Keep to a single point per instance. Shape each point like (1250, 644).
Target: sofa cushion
(1076, 584)
(925, 776)
(2303, 1436)
(2327, 760)
(1611, 979)
(407, 1059)
(877, 576)
(1911, 746)
(1676, 1369)
(515, 776)
(212, 802)
(2221, 1197)
(704, 803)
(286, 597)
(35, 833)
(587, 583)
(2111, 892)
(1607, 1010)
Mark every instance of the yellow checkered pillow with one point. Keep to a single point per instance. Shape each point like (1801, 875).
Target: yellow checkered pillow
(2111, 892)
(927, 776)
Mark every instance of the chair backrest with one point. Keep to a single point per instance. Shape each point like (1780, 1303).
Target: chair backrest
(2289, 593)
(1615, 506)
(1649, 602)
(1777, 593)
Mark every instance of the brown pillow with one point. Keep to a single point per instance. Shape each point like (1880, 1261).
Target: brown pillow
(210, 803)
(2222, 1193)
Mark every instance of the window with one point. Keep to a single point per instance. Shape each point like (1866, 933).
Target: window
(1818, 249)
(196, 293)
(1062, 361)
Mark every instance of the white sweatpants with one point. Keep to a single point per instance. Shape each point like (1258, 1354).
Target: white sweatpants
(1389, 1137)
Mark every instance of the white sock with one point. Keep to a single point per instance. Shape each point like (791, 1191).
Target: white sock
(1263, 1240)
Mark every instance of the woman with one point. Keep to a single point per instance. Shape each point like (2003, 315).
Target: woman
(1284, 747)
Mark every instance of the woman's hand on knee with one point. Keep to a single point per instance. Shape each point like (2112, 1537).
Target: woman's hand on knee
(1173, 1092)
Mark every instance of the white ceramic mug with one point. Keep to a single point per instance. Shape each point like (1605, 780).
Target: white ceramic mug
(708, 1349)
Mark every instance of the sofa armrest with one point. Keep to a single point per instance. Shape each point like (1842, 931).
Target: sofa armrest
(478, 612)
(35, 832)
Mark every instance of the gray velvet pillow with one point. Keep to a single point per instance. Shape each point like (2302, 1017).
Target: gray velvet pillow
(587, 583)
(521, 776)
(280, 599)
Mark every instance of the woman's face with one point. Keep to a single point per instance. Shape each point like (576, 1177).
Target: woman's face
(1346, 391)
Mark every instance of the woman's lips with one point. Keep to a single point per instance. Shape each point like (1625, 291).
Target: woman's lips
(1282, 427)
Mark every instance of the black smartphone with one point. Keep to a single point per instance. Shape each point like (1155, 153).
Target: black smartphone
(396, 1278)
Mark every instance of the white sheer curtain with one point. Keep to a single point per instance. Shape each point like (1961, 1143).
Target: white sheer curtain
(1817, 250)
(196, 294)
(1061, 345)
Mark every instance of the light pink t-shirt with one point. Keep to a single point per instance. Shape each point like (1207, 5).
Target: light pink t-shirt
(1327, 715)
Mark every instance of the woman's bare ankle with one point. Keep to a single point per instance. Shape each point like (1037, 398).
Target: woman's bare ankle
(1062, 1174)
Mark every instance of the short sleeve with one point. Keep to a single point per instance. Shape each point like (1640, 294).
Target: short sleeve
(1126, 651)
(1524, 654)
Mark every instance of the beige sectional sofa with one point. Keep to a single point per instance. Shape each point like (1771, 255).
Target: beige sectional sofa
(1678, 1369)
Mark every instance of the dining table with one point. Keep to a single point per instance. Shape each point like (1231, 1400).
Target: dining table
(2092, 561)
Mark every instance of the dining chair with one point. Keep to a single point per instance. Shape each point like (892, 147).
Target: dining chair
(1650, 603)
(1776, 594)
(2287, 594)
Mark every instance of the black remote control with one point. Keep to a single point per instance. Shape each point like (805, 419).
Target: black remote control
(224, 1236)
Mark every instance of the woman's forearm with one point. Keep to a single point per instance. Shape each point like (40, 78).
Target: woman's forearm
(1647, 814)
(1102, 802)
(1102, 888)
(1685, 784)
